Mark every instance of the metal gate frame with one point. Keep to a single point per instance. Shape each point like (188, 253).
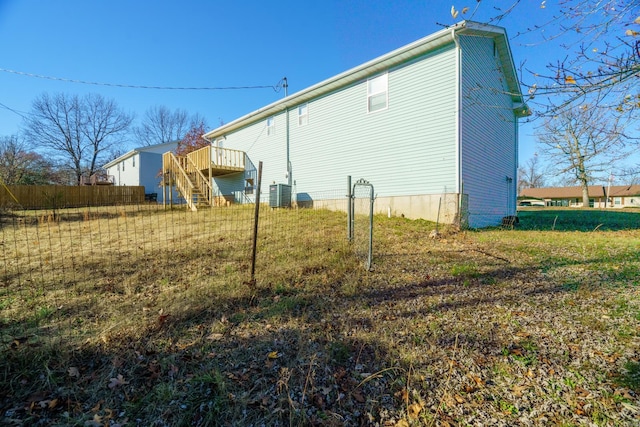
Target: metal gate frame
(351, 215)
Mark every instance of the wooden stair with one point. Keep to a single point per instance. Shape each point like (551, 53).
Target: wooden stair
(191, 174)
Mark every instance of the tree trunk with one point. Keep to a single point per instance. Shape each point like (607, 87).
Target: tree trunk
(585, 195)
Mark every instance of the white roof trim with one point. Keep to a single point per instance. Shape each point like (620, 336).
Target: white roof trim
(383, 63)
(134, 152)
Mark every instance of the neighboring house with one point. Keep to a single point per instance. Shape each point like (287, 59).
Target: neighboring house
(432, 125)
(141, 166)
(619, 196)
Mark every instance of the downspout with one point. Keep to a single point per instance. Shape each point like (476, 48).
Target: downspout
(459, 183)
(286, 111)
(514, 200)
(285, 85)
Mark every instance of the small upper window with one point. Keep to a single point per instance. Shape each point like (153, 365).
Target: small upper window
(303, 115)
(133, 160)
(271, 129)
(377, 89)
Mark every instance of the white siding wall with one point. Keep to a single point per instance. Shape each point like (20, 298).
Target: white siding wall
(125, 173)
(488, 135)
(407, 149)
(271, 149)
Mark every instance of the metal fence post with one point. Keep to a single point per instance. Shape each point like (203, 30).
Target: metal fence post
(255, 225)
(349, 210)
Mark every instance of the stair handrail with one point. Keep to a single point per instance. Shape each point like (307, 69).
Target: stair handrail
(180, 177)
(202, 183)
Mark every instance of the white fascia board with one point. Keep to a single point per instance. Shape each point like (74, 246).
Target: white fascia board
(383, 63)
(120, 159)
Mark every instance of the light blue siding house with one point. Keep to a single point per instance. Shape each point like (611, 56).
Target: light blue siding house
(141, 166)
(432, 125)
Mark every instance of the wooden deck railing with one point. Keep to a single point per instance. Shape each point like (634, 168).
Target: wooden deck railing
(201, 158)
(226, 158)
(218, 158)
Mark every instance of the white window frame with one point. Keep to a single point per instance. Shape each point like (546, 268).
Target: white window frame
(271, 126)
(303, 114)
(377, 87)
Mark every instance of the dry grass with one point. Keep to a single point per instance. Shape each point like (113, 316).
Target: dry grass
(160, 326)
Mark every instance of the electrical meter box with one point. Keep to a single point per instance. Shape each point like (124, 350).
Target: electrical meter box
(279, 196)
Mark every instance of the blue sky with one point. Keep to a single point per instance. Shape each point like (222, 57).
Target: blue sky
(219, 44)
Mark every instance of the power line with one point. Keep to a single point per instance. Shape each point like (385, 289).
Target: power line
(20, 113)
(276, 88)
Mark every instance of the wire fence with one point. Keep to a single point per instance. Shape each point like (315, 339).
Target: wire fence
(69, 273)
(362, 195)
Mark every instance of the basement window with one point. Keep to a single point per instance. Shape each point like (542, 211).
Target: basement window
(377, 89)
(303, 115)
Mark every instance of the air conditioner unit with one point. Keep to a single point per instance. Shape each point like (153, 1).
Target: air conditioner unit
(279, 196)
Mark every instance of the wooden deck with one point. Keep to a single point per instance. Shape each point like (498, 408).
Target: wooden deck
(191, 174)
(215, 161)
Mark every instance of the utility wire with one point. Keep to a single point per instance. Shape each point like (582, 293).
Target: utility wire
(20, 113)
(276, 88)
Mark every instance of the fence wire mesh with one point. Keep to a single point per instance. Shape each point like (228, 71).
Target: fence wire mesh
(83, 273)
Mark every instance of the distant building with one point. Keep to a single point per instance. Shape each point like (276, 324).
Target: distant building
(616, 196)
(141, 166)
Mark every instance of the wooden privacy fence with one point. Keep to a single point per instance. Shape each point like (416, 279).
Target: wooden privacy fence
(61, 196)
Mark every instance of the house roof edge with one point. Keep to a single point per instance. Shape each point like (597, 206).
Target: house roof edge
(398, 56)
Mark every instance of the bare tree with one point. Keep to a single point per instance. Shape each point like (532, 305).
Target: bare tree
(583, 142)
(530, 175)
(602, 44)
(14, 160)
(161, 125)
(20, 166)
(77, 130)
(601, 39)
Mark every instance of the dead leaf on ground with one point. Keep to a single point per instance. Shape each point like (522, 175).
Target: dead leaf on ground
(95, 422)
(518, 389)
(403, 395)
(414, 410)
(357, 394)
(479, 382)
(116, 382)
